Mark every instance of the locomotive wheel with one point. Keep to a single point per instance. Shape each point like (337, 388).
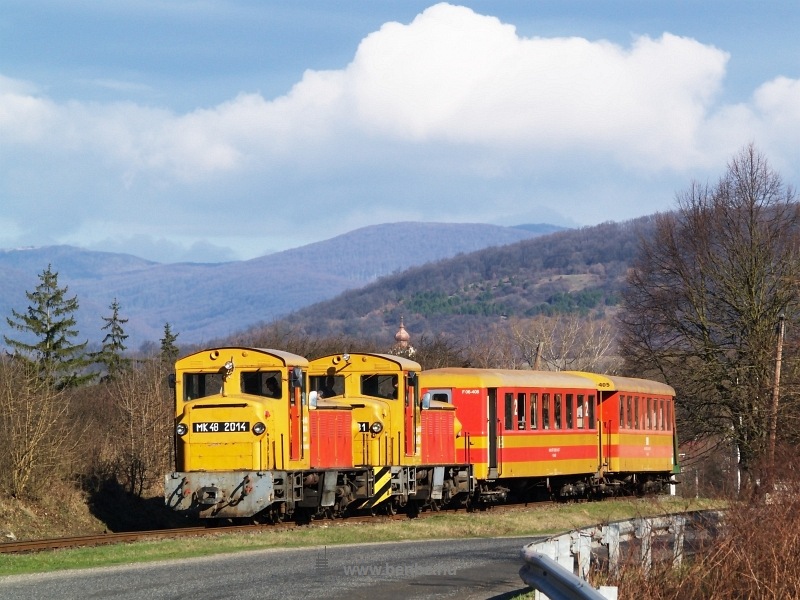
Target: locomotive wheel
(278, 517)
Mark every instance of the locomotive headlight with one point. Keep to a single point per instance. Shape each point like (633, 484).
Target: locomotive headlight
(181, 429)
(259, 428)
(376, 427)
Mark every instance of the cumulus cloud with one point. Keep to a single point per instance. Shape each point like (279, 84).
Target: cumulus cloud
(24, 117)
(461, 77)
(451, 92)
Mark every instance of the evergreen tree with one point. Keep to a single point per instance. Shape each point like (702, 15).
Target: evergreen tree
(169, 351)
(111, 355)
(50, 325)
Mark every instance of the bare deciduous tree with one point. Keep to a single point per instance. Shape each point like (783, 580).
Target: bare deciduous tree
(491, 347)
(144, 426)
(566, 343)
(705, 295)
(36, 437)
(439, 351)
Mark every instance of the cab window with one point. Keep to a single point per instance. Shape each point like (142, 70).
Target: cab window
(327, 386)
(262, 383)
(200, 385)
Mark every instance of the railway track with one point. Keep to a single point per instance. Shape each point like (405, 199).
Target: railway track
(27, 546)
(99, 539)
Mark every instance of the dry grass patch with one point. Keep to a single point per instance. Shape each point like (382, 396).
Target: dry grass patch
(755, 558)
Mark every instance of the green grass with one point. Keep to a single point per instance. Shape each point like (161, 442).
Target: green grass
(535, 520)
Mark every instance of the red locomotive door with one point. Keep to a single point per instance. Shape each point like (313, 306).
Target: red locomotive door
(295, 421)
(410, 419)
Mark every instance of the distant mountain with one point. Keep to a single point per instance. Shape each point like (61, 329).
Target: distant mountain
(540, 228)
(203, 302)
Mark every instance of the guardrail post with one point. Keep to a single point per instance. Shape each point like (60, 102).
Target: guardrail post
(564, 556)
(581, 547)
(557, 583)
(611, 539)
(678, 528)
(644, 530)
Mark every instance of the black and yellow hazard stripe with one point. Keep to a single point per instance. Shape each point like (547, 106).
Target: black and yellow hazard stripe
(382, 487)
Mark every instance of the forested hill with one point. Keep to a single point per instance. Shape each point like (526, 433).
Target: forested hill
(579, 270)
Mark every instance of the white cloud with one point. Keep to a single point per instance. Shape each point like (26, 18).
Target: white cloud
(24, 117)
(450, 76)
(778, 105)
(119, 85)
(456, 76)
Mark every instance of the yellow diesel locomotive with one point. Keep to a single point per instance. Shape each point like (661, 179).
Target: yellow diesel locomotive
(407, 440)
(243, 439)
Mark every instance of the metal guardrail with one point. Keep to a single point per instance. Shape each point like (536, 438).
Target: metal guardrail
(547, 576)
(559, 566)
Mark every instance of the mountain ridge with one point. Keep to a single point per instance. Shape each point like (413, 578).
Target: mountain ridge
(207, 301)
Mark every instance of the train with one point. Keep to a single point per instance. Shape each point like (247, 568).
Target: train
(264, 434)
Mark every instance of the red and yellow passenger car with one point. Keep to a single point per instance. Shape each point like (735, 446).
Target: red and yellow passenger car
(563, 434)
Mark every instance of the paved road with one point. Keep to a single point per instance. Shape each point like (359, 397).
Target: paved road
(466, 569)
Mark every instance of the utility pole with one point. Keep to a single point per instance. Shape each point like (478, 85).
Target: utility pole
(773, 417)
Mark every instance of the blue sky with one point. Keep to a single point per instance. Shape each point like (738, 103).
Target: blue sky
(213, 130)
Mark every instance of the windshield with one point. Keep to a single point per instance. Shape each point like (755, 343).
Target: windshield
(200, 385)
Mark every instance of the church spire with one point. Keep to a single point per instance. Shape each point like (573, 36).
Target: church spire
(401, 337)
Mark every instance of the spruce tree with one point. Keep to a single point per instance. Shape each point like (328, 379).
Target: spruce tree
(169, 351)
(111, 354)
(50, 326)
